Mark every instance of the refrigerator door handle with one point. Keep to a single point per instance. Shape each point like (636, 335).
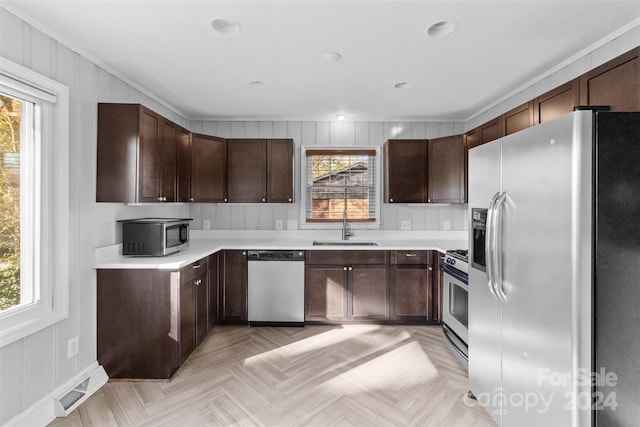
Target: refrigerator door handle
(488, 245)
(497, 246)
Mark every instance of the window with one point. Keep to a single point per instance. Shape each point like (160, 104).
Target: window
(34, 185)
(338, 182)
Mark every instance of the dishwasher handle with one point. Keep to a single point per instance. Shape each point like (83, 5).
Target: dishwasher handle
(275, 255)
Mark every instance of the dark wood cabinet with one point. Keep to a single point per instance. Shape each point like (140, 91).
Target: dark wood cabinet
(491, 131)
(446, 170)
(410, 283)
(326, 293)
(616, 83)
(137, 155)
(518, 118)
(260, 170)
(214, 291)
(208, 169)
(183, 159)
(556, 102)
(346, 285)
(405, 171)
(233, 287)
(150, 321)
(280, 171)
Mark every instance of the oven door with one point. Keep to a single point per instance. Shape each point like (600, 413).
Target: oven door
(455, 314)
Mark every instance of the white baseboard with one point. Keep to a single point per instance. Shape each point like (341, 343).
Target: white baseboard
(48, 408)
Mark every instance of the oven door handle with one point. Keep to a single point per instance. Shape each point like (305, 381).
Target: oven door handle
(497, 246)
(488, 245)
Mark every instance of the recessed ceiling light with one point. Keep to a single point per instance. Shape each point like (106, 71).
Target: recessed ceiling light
(331, 57)
(341, 116)
(442, 28)
(226, 26)
(257, 83)
(403, 85)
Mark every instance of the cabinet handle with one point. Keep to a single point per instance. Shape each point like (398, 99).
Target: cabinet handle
(159, 198)
(390, 200)
(429, 200)
(191, 199)
(196, 266)
(225, 199)
(350, 268)
(290, 200)
(430, 268)
(244, 253)
(411, 254)
(264, 199)
(344, 268)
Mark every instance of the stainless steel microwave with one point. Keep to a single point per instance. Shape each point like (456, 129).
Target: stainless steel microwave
(154, 236)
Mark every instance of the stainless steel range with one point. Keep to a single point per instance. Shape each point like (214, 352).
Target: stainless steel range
(455, 305)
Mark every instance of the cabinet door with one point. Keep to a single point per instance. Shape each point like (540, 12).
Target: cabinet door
(167, 153)
(183, 156)
(405, 175)
(213, 283)
(410, 292)
(148, 167)
(233, 290)
(369, 293)
(491, 130)
(280, 171)
(208, 169)
(201, 304)
(615, 83)
(518, 118)
(446, 170)
(326, 293)
(247, 173)
(556, 102)
(187, 319)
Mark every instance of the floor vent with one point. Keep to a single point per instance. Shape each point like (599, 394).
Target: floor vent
(80, 392)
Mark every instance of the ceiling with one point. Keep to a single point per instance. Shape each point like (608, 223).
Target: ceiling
(170, 49)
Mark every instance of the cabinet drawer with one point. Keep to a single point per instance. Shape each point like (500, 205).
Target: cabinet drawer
(342, 257)
(193, 270)
(411, 257)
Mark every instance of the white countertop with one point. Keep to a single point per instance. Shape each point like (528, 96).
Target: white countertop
(204, 243)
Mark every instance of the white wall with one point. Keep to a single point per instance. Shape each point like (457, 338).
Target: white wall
(32, 368)
(263, 217)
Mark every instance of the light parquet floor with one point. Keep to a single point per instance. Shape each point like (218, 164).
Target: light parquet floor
(353, 375)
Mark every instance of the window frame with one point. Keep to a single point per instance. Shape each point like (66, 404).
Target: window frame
(334, 225)
(50, 226)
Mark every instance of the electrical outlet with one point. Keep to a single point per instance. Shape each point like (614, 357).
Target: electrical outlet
(447, 225)
(206, 224)
(405, 225)
(279, 224)
(72, 347)
(292, 224)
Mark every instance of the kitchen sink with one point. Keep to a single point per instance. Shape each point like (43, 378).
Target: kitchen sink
(343, 243)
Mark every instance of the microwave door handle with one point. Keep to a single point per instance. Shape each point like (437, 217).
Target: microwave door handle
(488, 245)
(184, 233)
(497, 242)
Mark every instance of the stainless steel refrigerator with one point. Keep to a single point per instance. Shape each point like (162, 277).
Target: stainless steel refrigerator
(554, 283)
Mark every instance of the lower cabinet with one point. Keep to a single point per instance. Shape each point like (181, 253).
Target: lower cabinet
(371, 285)
(233, 287)
(410, 283)
(346, 285)
(149, 321)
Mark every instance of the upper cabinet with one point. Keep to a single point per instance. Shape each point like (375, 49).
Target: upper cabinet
(424, 171)
(208, 169)
(137, 152)
(616, 83)
(405, 171)
(260, 170)
(556, 102)
(446, 170)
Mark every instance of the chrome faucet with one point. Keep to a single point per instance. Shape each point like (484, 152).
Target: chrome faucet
(346, 232)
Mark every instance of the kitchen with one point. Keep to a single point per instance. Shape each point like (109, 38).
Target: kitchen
(42, 358)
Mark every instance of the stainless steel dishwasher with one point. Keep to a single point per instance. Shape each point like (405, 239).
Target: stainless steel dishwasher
(276, 287)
